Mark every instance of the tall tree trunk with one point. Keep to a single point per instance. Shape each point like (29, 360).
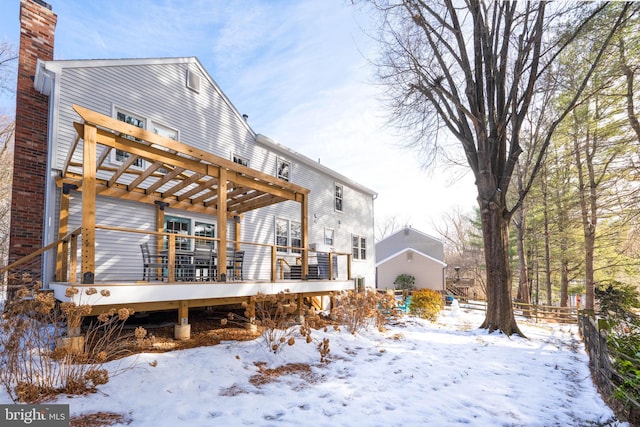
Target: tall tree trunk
(564, 275)
(547, 236)
(588, 211)
(524, 290)
(495, 228)
(563, 232)
(630, 96)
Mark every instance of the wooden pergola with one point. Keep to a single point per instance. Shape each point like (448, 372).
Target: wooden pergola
(174, 175)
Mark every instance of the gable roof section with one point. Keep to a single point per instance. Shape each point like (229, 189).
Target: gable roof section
(44, 69)
(44, 81)
(399, 253)
(410, 238)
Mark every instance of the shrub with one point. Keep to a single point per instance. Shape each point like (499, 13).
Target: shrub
(276, 317)
(358, 310)
(616, 302)
(404, 282)
(426, 303)
(31, 366)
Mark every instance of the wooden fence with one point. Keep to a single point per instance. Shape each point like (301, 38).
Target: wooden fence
(616, 375)
(532, 311)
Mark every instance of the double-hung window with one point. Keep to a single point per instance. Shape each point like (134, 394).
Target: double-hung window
(359, 247)
(283, 169)
(181, 227)
(288, 234)
(167, 133)
(295, 229)
(164, 131)
(120, 155)
(339, 197)
(202, 229)
(282, 235)
(329, 235)
(240, 160)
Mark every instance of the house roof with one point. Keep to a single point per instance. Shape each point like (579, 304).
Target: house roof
(410, 238)
(413, 231)
(43, 83)
(401, 252)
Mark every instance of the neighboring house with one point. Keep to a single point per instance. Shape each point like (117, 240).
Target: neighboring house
(119, 153)
(412, 252)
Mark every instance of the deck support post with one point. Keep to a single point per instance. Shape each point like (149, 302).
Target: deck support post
(250, 314)
(182, 330)
(300, 311)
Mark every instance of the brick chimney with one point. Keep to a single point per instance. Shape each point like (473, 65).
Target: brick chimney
(37, 28)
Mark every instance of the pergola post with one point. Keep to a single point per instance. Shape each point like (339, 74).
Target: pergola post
(62, 255)
(221, 213)
(236, 230)
(160, 229)
(304, 224)
(89, 205)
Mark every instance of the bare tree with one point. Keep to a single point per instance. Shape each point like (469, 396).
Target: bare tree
(473, 68)
(390, 225)
(462, 247)
(6, 159)
(8, 66)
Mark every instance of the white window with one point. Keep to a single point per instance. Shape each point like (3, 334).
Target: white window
(282, 235)
(181, 227)
(339, 194)
(288, 233)
(203, 229)
(167, 133)
(329, 234)
(359, 247)
(240, 160)
(283, 169)
(120, 156)
(296, 236)
(164, 131)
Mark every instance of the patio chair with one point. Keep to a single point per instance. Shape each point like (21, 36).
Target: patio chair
(151, 268)
(323, 266)
(204, 263)
(404, 304)
(234, 266)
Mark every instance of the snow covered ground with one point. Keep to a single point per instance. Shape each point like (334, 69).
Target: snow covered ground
(416, 373)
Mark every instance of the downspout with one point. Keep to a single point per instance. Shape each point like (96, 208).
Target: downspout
(45, 83)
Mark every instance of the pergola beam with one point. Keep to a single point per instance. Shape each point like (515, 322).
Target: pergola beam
(195, 180)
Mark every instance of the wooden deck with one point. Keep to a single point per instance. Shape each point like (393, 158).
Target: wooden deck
(152, 296)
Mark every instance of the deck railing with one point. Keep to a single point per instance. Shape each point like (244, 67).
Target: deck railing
(119, 259)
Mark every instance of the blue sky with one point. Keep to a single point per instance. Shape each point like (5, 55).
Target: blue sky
(299, 69)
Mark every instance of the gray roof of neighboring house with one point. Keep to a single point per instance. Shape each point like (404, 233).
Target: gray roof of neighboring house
(413, 239)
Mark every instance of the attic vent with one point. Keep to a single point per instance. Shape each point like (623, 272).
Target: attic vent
(193, 81)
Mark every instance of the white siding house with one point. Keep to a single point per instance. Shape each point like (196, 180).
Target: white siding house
(139, 181)
(411, 252)
(176, 97)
